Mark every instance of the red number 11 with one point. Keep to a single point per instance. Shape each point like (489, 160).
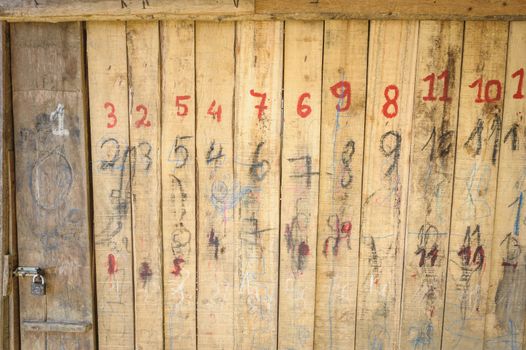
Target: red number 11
(431, 79)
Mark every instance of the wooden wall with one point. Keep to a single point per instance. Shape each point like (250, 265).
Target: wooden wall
(339, 184)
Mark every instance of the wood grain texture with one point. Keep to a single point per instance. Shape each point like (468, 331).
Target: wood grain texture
(218, 195)
(52, 180)
(145, 143)
(391, 77)
(299, 183)
(257, 160)
(339, 204)
(478, 142)
(431, 183)
(112, 232)
(506, 303)
(399, 9)
(178, 183)
(67, 10)
(206, 10)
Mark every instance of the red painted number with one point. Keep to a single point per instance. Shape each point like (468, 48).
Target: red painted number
(217, 113)
(143, 120)
(520, 74)
(111, 115)
(261, 106)
(180, 105)
(342, 90)
(302, 109)
(391, 101)
(489, 84)
(431, 79)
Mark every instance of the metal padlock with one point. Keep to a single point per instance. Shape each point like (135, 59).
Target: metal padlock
(38, 285)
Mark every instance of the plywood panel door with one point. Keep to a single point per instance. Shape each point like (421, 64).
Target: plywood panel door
(53, 216)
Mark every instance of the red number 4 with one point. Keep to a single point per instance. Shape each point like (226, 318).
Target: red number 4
(217, 113)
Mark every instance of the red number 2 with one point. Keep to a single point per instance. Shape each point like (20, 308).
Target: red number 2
(143, 120)
(303, 110)
(179, 105)
(342, 90)
(390, 101)
(111, 114)
(215, 114)
(261, 106)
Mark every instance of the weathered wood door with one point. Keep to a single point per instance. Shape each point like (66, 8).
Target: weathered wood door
(52, 199)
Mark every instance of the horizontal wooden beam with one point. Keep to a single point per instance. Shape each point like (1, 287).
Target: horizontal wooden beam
(61, 327)
(75, 10)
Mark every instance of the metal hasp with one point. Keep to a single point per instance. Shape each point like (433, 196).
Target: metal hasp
(28, 271)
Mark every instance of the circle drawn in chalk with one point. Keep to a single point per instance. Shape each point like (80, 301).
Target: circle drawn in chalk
(51, 180)
(219, 191)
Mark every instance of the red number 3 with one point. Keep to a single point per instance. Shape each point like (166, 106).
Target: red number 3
(143, 120)
(111, 115)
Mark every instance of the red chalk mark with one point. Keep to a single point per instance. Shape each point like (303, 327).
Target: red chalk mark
(143, 120)
(180, 105)
(520, 73)
(112, 264)
(487, 98)
(303, 249)
(145, 272)
(261, 106)
(342, 90)
(346, 227)
(178, 266)
(217, 113)
(391, 101)
(431, 79)
(302, 109)
(111, 114)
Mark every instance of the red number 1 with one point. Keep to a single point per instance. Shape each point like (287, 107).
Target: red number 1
(520, 74)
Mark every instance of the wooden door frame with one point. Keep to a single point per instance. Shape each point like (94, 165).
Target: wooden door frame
(9, 315)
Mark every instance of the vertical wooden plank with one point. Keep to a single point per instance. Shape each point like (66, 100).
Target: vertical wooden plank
(217, 192)
(108, 86)
(144, 111)
(8, 324)
(51, 177)
(178, 183)
(506, 311)
(478, 142)
(299, 182)
(392, 61)
(257, 142)
(343, 118)
(431, 182)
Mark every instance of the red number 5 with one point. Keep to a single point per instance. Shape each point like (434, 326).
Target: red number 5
(179, 105)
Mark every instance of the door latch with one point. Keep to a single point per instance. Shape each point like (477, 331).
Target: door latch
(38, 283)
